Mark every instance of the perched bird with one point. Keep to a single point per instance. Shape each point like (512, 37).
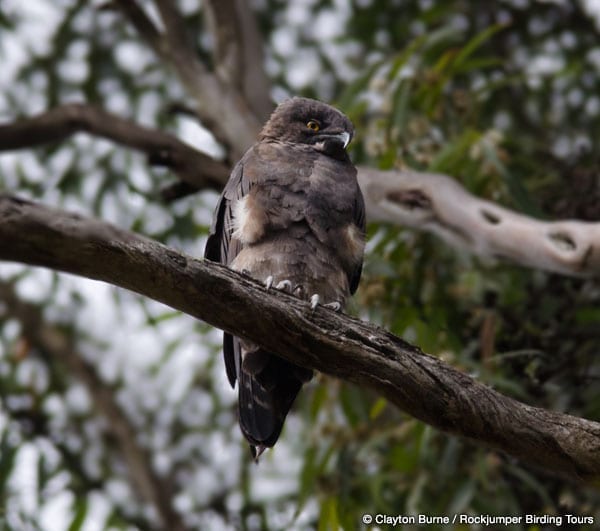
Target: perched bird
(292, 216)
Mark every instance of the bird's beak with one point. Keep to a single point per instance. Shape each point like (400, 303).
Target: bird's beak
(344, 136)
(332, 142)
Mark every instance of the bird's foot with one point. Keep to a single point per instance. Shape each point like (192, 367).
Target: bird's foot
(284, 285)
(298, 291)
(269, 282)
(245, 272)
(315, 300)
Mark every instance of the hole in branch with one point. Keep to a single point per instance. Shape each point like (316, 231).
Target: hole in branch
(563, 241)
(411, 199)
(490, 217)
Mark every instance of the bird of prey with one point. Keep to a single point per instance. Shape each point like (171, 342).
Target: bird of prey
(291, 216)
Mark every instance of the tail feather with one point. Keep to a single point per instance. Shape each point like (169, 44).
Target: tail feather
(265, 399)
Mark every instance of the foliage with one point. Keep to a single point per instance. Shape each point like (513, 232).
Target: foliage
(501, 94)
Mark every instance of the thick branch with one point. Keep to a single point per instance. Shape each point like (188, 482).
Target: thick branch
(438, 204)
(191, 165)
(335, 344)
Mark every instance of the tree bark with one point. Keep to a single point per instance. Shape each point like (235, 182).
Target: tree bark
(332, 343)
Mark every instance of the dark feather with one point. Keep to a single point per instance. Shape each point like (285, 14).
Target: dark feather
(360, 220)
(266, 398)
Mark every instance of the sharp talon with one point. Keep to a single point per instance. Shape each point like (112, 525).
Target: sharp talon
(314, 300)
(284, 285)
(269, 282)
(335, 306)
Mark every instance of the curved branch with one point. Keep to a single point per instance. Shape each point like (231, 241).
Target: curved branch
(191, 165)
(341, 346)
(438, 204)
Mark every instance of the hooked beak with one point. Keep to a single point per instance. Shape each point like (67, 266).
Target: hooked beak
(343, 137)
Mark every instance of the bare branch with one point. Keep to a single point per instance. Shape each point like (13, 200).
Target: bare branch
(143, 24)
(55, 342)
(238, 52)
(221, 106)
(190, 165)
(256, 83)
(439, 204)
(227, 46)
(338, 345)
(179, 44)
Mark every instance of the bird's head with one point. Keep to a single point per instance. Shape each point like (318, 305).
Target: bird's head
(312, 122)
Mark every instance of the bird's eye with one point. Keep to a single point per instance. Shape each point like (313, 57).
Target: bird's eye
(313, 125)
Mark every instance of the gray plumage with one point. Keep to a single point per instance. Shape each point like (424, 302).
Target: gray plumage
(292, 210)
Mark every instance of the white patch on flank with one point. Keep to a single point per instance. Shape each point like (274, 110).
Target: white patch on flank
(248, 226)
(355, 241)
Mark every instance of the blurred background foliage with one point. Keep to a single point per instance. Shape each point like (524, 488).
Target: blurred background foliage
(503, 95)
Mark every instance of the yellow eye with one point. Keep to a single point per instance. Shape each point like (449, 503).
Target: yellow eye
(313, 126)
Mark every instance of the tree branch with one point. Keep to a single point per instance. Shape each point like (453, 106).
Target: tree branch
(238, 53)
(438, 204)
(221, 106)
(338, 345)
(55, 342)
(191, 165)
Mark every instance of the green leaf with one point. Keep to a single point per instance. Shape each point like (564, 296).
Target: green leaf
(319, 397)
(328, 517)
(355, 89)
(402, 58)
(8, 454)
(81, 507)
(377, 408)
(402, 105)
(476, 42)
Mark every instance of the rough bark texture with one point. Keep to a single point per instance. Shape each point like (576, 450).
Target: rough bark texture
(338, 345)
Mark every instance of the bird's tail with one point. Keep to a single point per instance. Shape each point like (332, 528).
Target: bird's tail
(265, 398)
